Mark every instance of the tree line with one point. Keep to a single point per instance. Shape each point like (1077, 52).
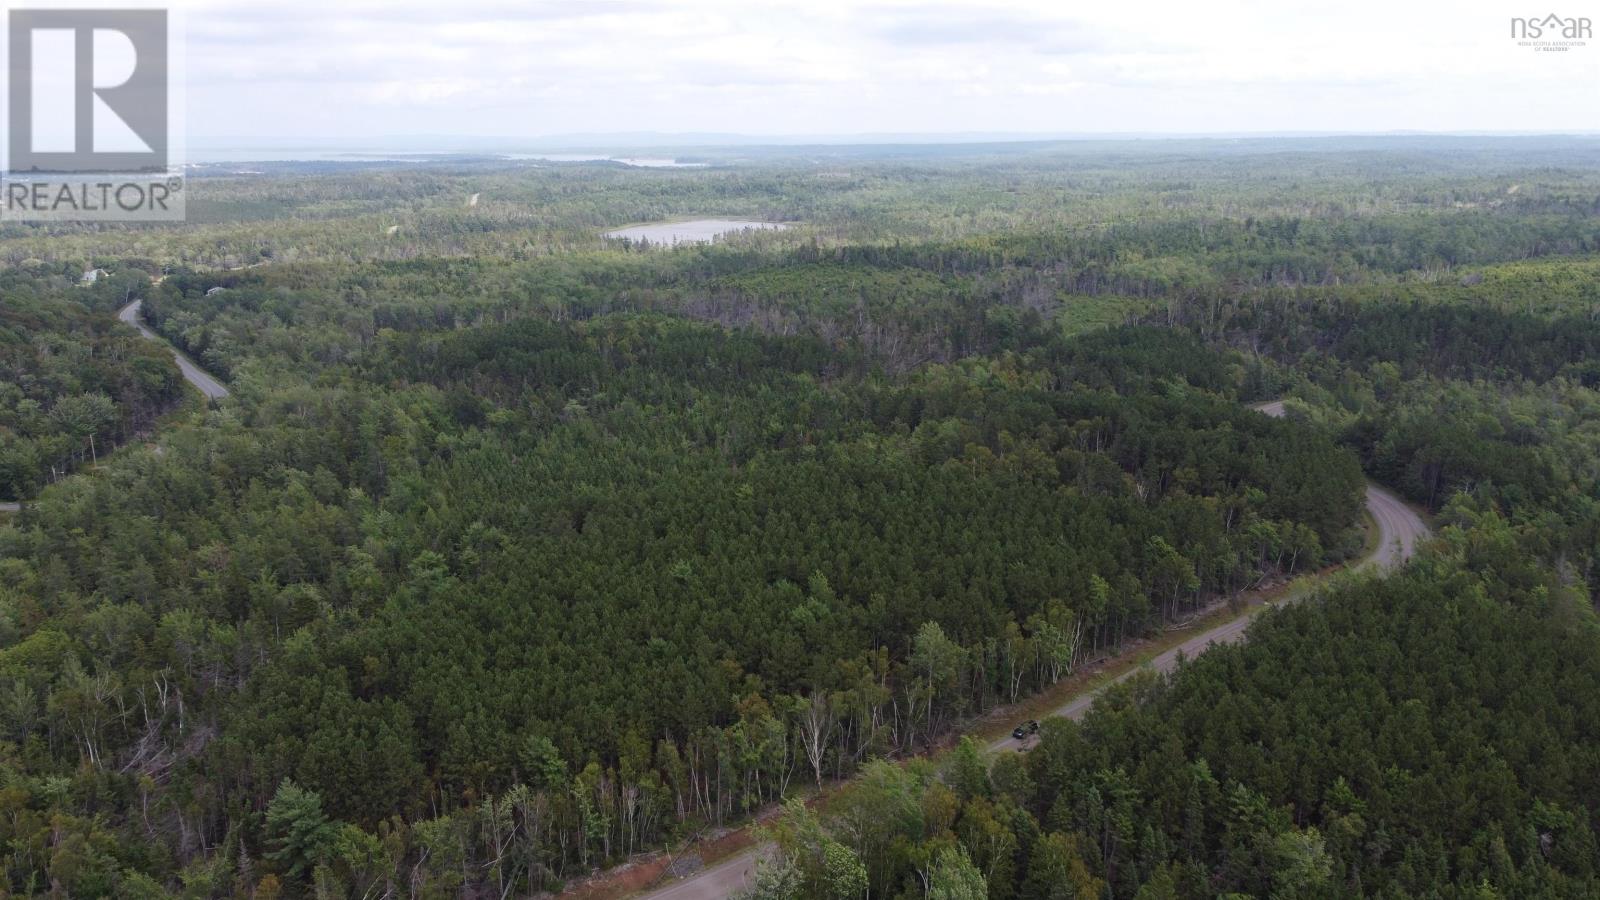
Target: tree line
(492, 607)
(1386, 738)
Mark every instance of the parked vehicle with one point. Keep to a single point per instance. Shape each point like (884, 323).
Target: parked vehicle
(1026, 728)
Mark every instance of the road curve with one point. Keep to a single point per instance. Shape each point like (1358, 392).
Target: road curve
(192, 373)
(1399, 528)
(1399, 531)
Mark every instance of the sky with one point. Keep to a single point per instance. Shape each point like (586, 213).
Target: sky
(354, 69)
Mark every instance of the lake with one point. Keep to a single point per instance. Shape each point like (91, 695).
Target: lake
(213, 156)
(697, 231)
(641, 162)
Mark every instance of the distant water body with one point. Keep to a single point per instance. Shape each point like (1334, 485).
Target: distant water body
(697, 231)
(643, 162)
(215, 156)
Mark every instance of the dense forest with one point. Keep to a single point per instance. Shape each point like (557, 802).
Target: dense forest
(517, 551)
(74, 382)
(1387, 739)
(612, 568)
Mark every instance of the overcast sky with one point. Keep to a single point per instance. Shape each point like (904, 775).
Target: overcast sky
(353, 68)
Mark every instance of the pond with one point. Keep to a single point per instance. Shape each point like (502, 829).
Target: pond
(696, 231)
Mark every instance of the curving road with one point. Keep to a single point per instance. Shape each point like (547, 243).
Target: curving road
(192, 373)
(1399, 528)
(1399, 531)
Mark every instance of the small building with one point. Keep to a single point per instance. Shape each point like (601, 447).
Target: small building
(91, 276)
(215, 291)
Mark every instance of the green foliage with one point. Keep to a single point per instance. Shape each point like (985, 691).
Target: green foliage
(966, 771)
(954, 877)
(517, 551)
(1398, 745)
(299, 834)
(74, 382)
(772, 881)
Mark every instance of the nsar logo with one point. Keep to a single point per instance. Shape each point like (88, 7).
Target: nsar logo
(1552, 32)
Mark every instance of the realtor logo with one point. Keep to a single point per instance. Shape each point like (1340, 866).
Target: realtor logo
(1552, 33)
(89, 121)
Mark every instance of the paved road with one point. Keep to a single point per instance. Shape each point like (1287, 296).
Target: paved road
(1399, 531)
(192, 373)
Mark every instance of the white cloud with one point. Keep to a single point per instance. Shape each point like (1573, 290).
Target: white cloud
(495, 67)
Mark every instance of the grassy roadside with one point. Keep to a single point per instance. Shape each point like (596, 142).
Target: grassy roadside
(1374, 541)
(1095, 675)
(1092, 676)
